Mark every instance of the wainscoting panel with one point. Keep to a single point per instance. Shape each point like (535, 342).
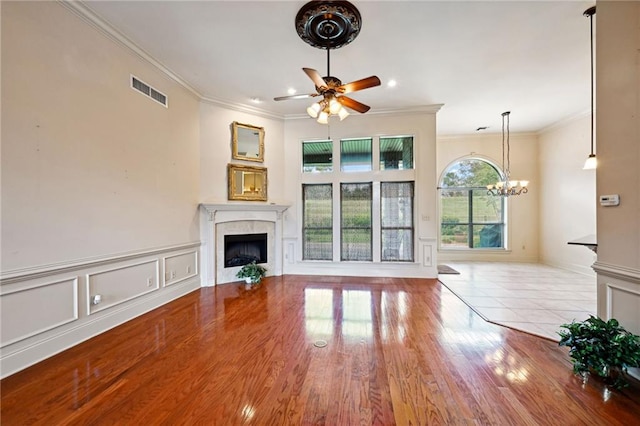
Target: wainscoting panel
(48, 309)
(619, 297)
(33, 310)
(180, 267)
(118, 285)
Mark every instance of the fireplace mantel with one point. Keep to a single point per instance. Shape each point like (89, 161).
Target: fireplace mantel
(213, 208)
(234, 215)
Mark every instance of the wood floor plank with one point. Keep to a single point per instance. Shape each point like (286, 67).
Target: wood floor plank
(399, 351)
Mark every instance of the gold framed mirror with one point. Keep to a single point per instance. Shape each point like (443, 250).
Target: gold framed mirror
(247, 183)
(247, 142)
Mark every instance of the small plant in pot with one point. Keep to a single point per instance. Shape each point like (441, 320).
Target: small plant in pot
(252, 273)
(601, 347)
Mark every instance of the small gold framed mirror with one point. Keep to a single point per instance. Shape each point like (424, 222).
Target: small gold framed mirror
(247, 183)
(247, 142)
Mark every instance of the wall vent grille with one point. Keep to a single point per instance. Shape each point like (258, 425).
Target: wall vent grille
(149, 91)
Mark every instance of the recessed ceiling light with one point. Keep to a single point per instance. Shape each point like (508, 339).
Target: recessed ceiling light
(256, 100)
(291, 91)
(392, 83)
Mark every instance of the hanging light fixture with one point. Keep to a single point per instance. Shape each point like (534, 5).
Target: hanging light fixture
(327, 107)
(507, 187)
(591, 162)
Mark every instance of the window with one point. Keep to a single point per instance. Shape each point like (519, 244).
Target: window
(469, 218)
(358, 199)
(396, 217)
(317, 222)
(355, 155)
(355, 209)
(396, 153)
(317, 156)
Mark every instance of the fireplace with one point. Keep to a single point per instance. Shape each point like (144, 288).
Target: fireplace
(220, 220)
(244, 248)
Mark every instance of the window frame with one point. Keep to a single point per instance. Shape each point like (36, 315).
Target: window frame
(306, 228)
(343, 228)
(470, 223)
(412, 227)
(374, 177)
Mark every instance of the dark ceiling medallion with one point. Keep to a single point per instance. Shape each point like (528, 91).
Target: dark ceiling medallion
(328, 24)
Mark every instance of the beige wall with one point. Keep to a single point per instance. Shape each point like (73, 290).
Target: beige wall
(215, 151)
(618, 136)
(568, 210)
(522, 210)
(90, 167)
(100, 184)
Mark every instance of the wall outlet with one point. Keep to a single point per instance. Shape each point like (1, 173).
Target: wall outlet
(173, 274)
(188, 269)
(149, 281)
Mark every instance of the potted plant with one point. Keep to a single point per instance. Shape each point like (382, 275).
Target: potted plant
(602, 347)
(252, 273)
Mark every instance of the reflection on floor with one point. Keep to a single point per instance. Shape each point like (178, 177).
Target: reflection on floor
(526, 296)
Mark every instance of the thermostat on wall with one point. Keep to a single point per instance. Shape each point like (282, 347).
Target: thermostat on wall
(609, 200)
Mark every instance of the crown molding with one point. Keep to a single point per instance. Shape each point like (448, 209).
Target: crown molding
(242, 108)
(423, 109)
(564, 122)
(82, 10)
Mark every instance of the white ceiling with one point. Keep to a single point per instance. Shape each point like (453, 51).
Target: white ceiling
(477, 58)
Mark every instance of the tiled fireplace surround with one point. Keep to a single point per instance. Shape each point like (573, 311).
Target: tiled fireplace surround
(218, 220)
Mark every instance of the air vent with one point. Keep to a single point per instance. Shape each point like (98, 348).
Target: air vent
(148, 91)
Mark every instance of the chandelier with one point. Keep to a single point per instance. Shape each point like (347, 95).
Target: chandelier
(507, 187)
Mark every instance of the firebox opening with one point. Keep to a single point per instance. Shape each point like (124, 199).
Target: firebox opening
(243, 249)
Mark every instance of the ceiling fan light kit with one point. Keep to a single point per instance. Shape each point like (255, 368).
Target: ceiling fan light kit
(330, 25)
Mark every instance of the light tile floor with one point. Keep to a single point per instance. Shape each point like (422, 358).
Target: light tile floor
(530, 297)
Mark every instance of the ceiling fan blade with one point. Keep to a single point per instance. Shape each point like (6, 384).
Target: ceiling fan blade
(353, 104)
(315, 77)
(284, 98)
(364, 83)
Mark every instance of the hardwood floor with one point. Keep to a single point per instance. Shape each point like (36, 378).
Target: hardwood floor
(399, 351)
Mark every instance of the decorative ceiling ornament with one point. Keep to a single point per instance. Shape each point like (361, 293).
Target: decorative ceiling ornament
(591, 162)
(507, 187)
(328, 24)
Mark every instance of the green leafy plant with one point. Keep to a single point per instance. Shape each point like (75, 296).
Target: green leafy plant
(253, 271)
(602, 347)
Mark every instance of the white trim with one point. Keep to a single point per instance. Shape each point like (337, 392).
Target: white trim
(23, 357)
(119, 301)
(8, 277)
(74, 317)
(609, 288)
(423, 109)
(168, 283)
(624, 273)
(564, 122)
(82, 10)
(243, 108)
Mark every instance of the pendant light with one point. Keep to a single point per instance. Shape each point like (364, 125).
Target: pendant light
(591, 162)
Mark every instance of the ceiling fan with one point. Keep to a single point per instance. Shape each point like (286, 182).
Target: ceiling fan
(330, 24)
(332, 90)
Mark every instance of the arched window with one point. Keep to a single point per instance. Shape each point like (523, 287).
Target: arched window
(469, 218)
